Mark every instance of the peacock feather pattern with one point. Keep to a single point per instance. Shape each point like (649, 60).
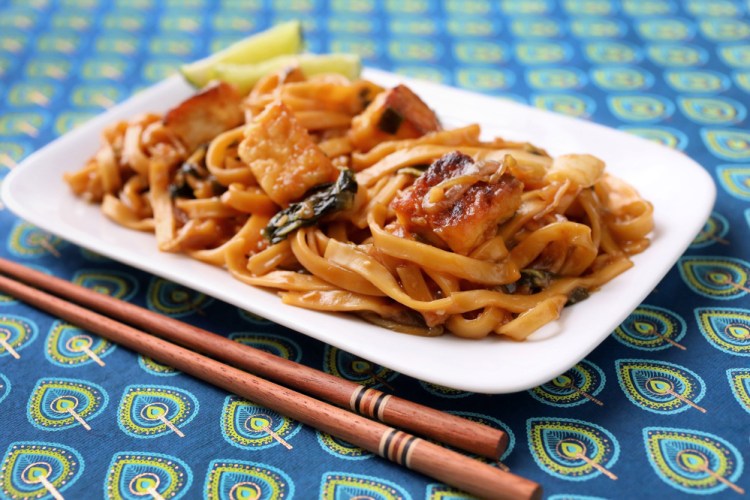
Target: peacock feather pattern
(640, 108)
(651, 328)
(253, 427)
(252, 318)
(438, 491)
(340, 448)
(35, 469)
(659, 386)
(4, 387)
(739, 382)
(665, 136)
(69, 346)
(442, 391)
(575, 497)
(113, 283)
(722, 278)
(572, 449)
(174, 300)
(16, 333)
(150, 411)
(727, 144)
(338, 485)
(7, 300)
(576, 386)
(156, 368)
(134, 475)
(714, 231)
(345, 365)
(28, 241)
(727, 329)
(735, 179)
(268, 342)
(712, 110)
(92, 256)
(239, 479)
(61, 403)
(692, 461)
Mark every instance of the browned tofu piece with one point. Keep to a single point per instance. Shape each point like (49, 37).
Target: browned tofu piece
(458, 202)
(397, 113)
(282, 155)
(215, 109)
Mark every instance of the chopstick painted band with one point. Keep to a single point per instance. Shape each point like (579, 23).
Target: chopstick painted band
(397, 446)
(369, 402)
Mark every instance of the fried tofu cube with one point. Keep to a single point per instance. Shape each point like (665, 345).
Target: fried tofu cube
(215, 109)
(395, 114)
(458, 203)
(283, 157)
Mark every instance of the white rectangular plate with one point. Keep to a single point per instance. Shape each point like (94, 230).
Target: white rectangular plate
(681, 191)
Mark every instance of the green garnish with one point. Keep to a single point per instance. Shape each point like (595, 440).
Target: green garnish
(282, 39)
(577, 295)
(531, 281)
(327, 198)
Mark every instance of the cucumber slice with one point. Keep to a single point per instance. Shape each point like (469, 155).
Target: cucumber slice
(244, 76)
(282, 39)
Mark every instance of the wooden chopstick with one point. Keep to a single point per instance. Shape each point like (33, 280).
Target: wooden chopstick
(432, 460)
(462, 433)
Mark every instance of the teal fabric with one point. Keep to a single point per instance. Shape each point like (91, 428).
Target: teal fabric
(663, 404)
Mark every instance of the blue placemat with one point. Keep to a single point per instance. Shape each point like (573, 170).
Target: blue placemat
(663, 405)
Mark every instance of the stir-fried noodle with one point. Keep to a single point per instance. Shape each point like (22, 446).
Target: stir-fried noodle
(345, 196)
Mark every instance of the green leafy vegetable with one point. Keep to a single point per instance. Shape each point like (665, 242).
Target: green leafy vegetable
(193, 173)
(531, 281)
(189, 172)
(328, 198)
(577, 295)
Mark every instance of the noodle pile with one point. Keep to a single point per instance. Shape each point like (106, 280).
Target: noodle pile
(344, 196)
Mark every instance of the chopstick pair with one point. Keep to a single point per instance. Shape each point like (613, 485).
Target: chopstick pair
(423, 456)
(459, 432)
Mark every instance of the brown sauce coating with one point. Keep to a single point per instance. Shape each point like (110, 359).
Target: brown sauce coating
(464, 214)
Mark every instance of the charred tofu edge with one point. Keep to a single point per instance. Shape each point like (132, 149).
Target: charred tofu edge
(401, 105)
(304, 149)
(203, 116)
(463, 223)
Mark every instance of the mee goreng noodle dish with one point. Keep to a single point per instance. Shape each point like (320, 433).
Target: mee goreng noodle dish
(344, 196)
